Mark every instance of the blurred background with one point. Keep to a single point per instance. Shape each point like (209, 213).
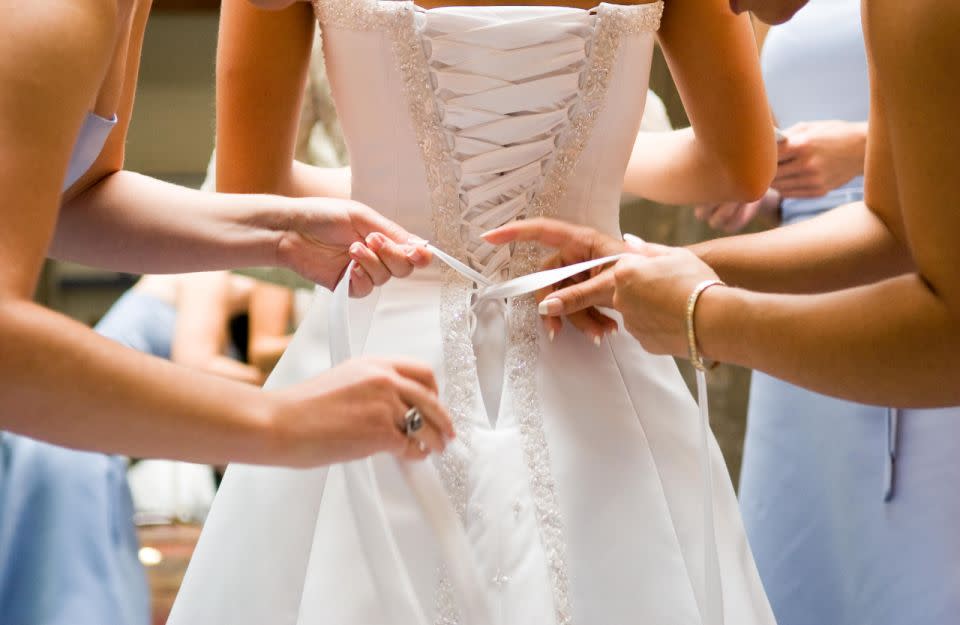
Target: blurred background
(171, 137)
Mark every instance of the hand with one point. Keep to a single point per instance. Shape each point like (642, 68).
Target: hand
(819, 156)
(651, 290)
(329, 233)
(734, 216)
(357, 409)
(579, 296)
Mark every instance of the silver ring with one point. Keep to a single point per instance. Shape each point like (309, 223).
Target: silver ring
(412, 421)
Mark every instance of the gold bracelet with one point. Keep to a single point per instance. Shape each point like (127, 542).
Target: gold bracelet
(695, 356)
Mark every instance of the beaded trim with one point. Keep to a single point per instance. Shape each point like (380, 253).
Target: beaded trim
(399, 19)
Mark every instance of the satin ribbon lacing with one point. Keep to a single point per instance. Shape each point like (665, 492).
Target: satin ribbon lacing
(383, 556)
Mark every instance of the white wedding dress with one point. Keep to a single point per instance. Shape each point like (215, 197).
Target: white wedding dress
(577, 471)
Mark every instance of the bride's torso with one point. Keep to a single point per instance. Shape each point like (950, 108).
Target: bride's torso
(459, 119)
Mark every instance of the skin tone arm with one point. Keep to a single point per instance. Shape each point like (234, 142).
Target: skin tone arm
(63, 383)
(729, 150)
(200, 336)
(892, 341)
(121, 220)
(258, 103)
(271, 308)
(812, 159)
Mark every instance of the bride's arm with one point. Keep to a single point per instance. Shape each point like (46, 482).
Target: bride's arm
(729, 151)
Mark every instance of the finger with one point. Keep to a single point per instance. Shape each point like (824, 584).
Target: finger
(360, 283)
(591, 323)
(551, 263)
(415, 450)
(639, 247)
(364, 256)
(366, 221)
(607, 323)
(703, 211)
(434, 415)
(417, 371)
(597, 291)
(432, 438)
(550, 232)
(417, 254)
(724, 214)
(791, 169)
(553, 326)
(741, 219)
(801, 191)
(392, 255)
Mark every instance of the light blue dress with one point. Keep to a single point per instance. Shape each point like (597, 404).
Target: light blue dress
(68, 548)
(852, 511)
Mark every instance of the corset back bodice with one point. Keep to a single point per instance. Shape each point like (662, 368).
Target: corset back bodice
(470, 117)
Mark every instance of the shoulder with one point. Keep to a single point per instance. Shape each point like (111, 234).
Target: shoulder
(59, 35)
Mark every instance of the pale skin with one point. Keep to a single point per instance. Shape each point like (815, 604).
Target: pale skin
(862, 302)
(813, 158)
(62, 382)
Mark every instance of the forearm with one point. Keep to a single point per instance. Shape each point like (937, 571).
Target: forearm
(63, 383)
(845, 247)
(891, 343)
(673, 168)
(311, 181)
(138, 224)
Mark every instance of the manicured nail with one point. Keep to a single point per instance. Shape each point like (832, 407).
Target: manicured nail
(375, 241)
(551, 334)
(596, 340)
(633, 239)
(550, 307)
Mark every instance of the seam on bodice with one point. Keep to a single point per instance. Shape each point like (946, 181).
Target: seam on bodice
(472, 139)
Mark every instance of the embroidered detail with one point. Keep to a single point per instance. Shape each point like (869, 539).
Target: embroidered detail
(403, 22)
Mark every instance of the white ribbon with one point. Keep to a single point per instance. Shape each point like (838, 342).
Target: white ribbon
(383, 556)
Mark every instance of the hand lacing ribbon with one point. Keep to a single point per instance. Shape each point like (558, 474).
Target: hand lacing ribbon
(383, 556)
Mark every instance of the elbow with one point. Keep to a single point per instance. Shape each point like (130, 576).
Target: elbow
(748, 180)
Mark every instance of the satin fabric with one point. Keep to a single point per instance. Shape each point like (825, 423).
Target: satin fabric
(621, 434)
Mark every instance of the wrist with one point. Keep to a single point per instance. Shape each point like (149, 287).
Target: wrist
(719, 319)
(277, 220)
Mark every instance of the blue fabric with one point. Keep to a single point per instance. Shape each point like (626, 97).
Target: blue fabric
(68, 548)
(815, 68)
(831, 550)
(828, 547)
(90, 141)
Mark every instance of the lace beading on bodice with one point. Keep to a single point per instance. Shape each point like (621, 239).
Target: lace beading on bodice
(505, 86)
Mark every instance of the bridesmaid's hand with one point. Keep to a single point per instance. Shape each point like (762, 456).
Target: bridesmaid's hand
(327, 234)
(355, 410)
(651, 287)
(576, 298)
(819, 156)
(732, 217)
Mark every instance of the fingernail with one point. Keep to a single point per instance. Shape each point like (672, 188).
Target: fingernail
(414, 254)
(356, 248)
(596, 340)
(632, 239)
(551, 334)
(550, 307)
(375, 241)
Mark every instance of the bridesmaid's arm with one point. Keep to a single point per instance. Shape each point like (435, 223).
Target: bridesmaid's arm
(729, 151)
(262, 65)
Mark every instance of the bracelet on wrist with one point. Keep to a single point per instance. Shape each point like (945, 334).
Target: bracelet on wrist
(695, 357)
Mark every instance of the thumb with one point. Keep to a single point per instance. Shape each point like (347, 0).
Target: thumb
(638, 246)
